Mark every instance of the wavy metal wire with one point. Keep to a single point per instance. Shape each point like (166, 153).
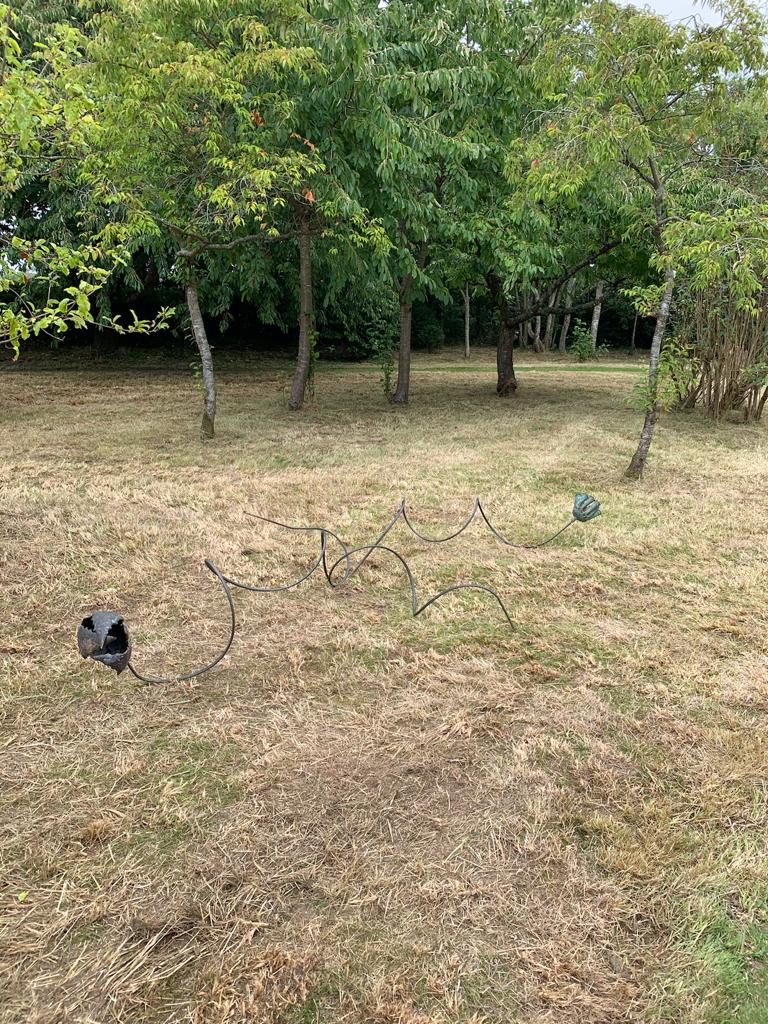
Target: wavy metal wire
(585, 508)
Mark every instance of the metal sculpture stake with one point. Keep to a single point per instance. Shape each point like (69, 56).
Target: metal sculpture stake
(102, 634)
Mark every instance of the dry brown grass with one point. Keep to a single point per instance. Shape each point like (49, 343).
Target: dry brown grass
(361, 817)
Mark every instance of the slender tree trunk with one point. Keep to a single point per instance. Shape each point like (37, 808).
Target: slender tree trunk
(567, 315)
(400, 397)
(466, 320)
(537, 345)
(206, 360)
(306, 315)
(549, 332)
(634, 331)
(636, 466)
(598, 308)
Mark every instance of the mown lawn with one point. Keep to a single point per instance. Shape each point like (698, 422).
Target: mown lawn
(361, 816)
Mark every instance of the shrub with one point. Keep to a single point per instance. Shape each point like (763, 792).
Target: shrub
(582, 345)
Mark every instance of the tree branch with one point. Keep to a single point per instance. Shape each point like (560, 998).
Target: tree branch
(641, 173)
(242, 240)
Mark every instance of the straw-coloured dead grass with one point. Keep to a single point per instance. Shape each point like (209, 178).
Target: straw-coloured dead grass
(362, 817)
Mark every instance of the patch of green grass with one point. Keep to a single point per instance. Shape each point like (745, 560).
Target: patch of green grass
(373, 658)
(156, 844)
(201, 774)
(563, 764)
(731, 950)
(479, 368)
(307, 1013)
(463, 622)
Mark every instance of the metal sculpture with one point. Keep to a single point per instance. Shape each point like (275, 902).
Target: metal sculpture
(102, 635)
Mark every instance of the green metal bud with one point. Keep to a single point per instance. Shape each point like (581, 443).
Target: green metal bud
(585, 507)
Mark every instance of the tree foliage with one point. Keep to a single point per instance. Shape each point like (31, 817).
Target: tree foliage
(46, 125)
(352, 166)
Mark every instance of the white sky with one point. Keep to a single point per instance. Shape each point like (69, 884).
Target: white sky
(676, 10)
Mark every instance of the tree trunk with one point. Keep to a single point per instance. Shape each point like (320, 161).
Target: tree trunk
(306, 315)
(466, 320)
(597, 311)
(634, 331)
(506, 382)
(567, 315)
(549, 332)
(400, 397)
(636, 466)
(206, 360)
(537, 345)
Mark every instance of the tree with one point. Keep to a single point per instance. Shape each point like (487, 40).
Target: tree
(526, 250)
(720, 353)
(466, 319)
(638, 101)
(193, 148)
(336, 116)
(45, 125)
(427, 82)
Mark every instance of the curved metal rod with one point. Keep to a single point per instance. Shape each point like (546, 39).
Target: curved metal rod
(416, 608)
(478, 508)
(320, 560)
(158, 680)
(402, 513)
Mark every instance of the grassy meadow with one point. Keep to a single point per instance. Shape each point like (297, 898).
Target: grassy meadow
(361, 817)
